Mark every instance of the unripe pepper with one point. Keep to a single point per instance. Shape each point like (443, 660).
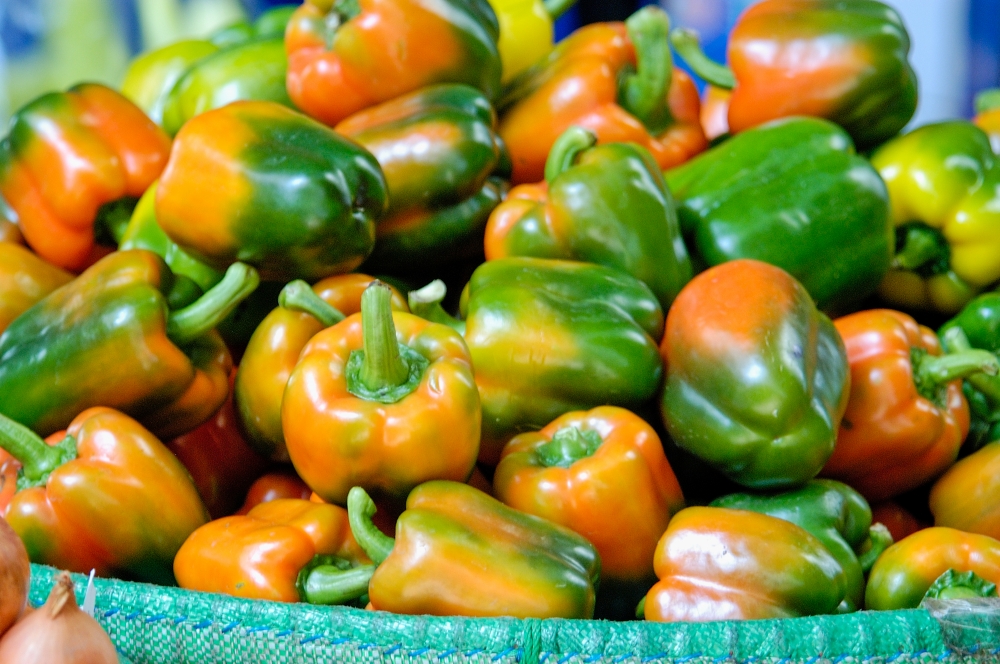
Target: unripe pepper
(105, 495)
(382, 400)
(757, 378)
(967, 496)
(24, 280)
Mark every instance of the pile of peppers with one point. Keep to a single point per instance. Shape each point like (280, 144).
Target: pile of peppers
(408, 308)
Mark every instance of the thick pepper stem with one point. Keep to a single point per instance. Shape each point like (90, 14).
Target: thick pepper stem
(330, 580)
(568, 446)
(194, 320)
(922, 245)
(644, 94)
(426, 303)
(37, 458)
(942, 369)
(686, 44)
(298, 296)
(382, 366)
(556, 8)
(960, 585)
(564, 151)
(879, 539)
(360, 510)
(955, 341)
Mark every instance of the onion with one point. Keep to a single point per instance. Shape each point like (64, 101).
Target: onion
(58, 633)
(14, 576)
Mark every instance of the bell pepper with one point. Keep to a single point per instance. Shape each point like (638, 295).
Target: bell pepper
(906, 417)
(110, 337)
(257, 182)
(725, 564)
(842, 60)
(526, 31)
(837, 516)
(603, 474)
(715, 113)
(9, 232)
(344, 56)
(382, 400)
(615, 79)
(943, 182)
(275, 346)
(898, 520)
(281, 551)
(607, 205)
(105, 494)
(276, 485)
(459, 552)
(444, 166)
(270, 24)
(791, 193)
(66, 157)
(987, 117)
(967, 496)
(548, 337)
(757, 378)
(24, 280)
(908, 568)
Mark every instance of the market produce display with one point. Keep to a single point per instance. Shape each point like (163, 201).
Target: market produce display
(398, 305)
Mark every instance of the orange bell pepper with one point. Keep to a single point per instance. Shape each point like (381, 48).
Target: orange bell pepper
(382, 400)
(586, 81)
(967, 497)
(276, 486)
(24, 280)
(264, 554)
(906, 417)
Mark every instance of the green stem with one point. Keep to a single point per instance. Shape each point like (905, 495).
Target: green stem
(298, 296)
(194, 320)
(556, 8)
(987, 100)
(37, 458)
(332, 580)
(879, 539)
(360, 510)
(382, 366)
(942, 369)
(960, 585)
(686, 44)
(644, 93)
(564, 151)
(922, 245)
(568, 446)
(955, 341)
(640, 609)
(426, 303)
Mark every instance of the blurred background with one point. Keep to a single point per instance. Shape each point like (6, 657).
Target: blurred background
(52, 44)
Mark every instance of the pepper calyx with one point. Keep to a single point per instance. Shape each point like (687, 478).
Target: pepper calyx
(37, 458)
(568, 445)
(960, 585)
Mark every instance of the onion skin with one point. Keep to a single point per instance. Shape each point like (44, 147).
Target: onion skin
(58, 633)
(15, 573)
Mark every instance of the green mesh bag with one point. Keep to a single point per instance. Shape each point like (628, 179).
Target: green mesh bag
(158, 625)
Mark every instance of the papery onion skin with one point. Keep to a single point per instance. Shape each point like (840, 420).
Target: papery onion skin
(15, 572)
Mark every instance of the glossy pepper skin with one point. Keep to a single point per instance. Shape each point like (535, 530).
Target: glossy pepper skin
(757, 378)
(276, 485)
(725, 564)
(444, 166)
(943, 181)
(260, 555)
(837, 515)
(383, 400)
(346, 56)
(967, 496)
(601, 473)
(908, 568)
(105, 474)
(460, 552)
(274, 349)
(110, 337)
(606, 204)
(526, 32)
(906, 417)
(842, 60)
(24, 280)
(67, 155)
(735, 200)
(259, 183)
(615, 79)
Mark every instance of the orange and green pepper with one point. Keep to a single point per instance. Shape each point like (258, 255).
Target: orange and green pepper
(460, 552)
(757, 378)
(383, 400)
(987, 117)
(104, 495)
(444, 166)
(113, 337)
(906, 417)
(843, 60)
(615, 79)
(607, 205)
(67, 157)
(24, 280)
(347, 55)
(967, 496)
(259, 183)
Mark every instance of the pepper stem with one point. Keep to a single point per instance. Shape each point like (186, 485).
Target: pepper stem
(332, 580)
(360, 510)
(194, 320)
(382, 364)
(955, 341)
(298, 296)
(937, 370)
(644, 93)
(564, 151)
(921, 245)
(568, 445)
(987, 100)
(426, 303)
(37, 458)
(960, 585)
(879, 539)
(686, 44)
(556, 8)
